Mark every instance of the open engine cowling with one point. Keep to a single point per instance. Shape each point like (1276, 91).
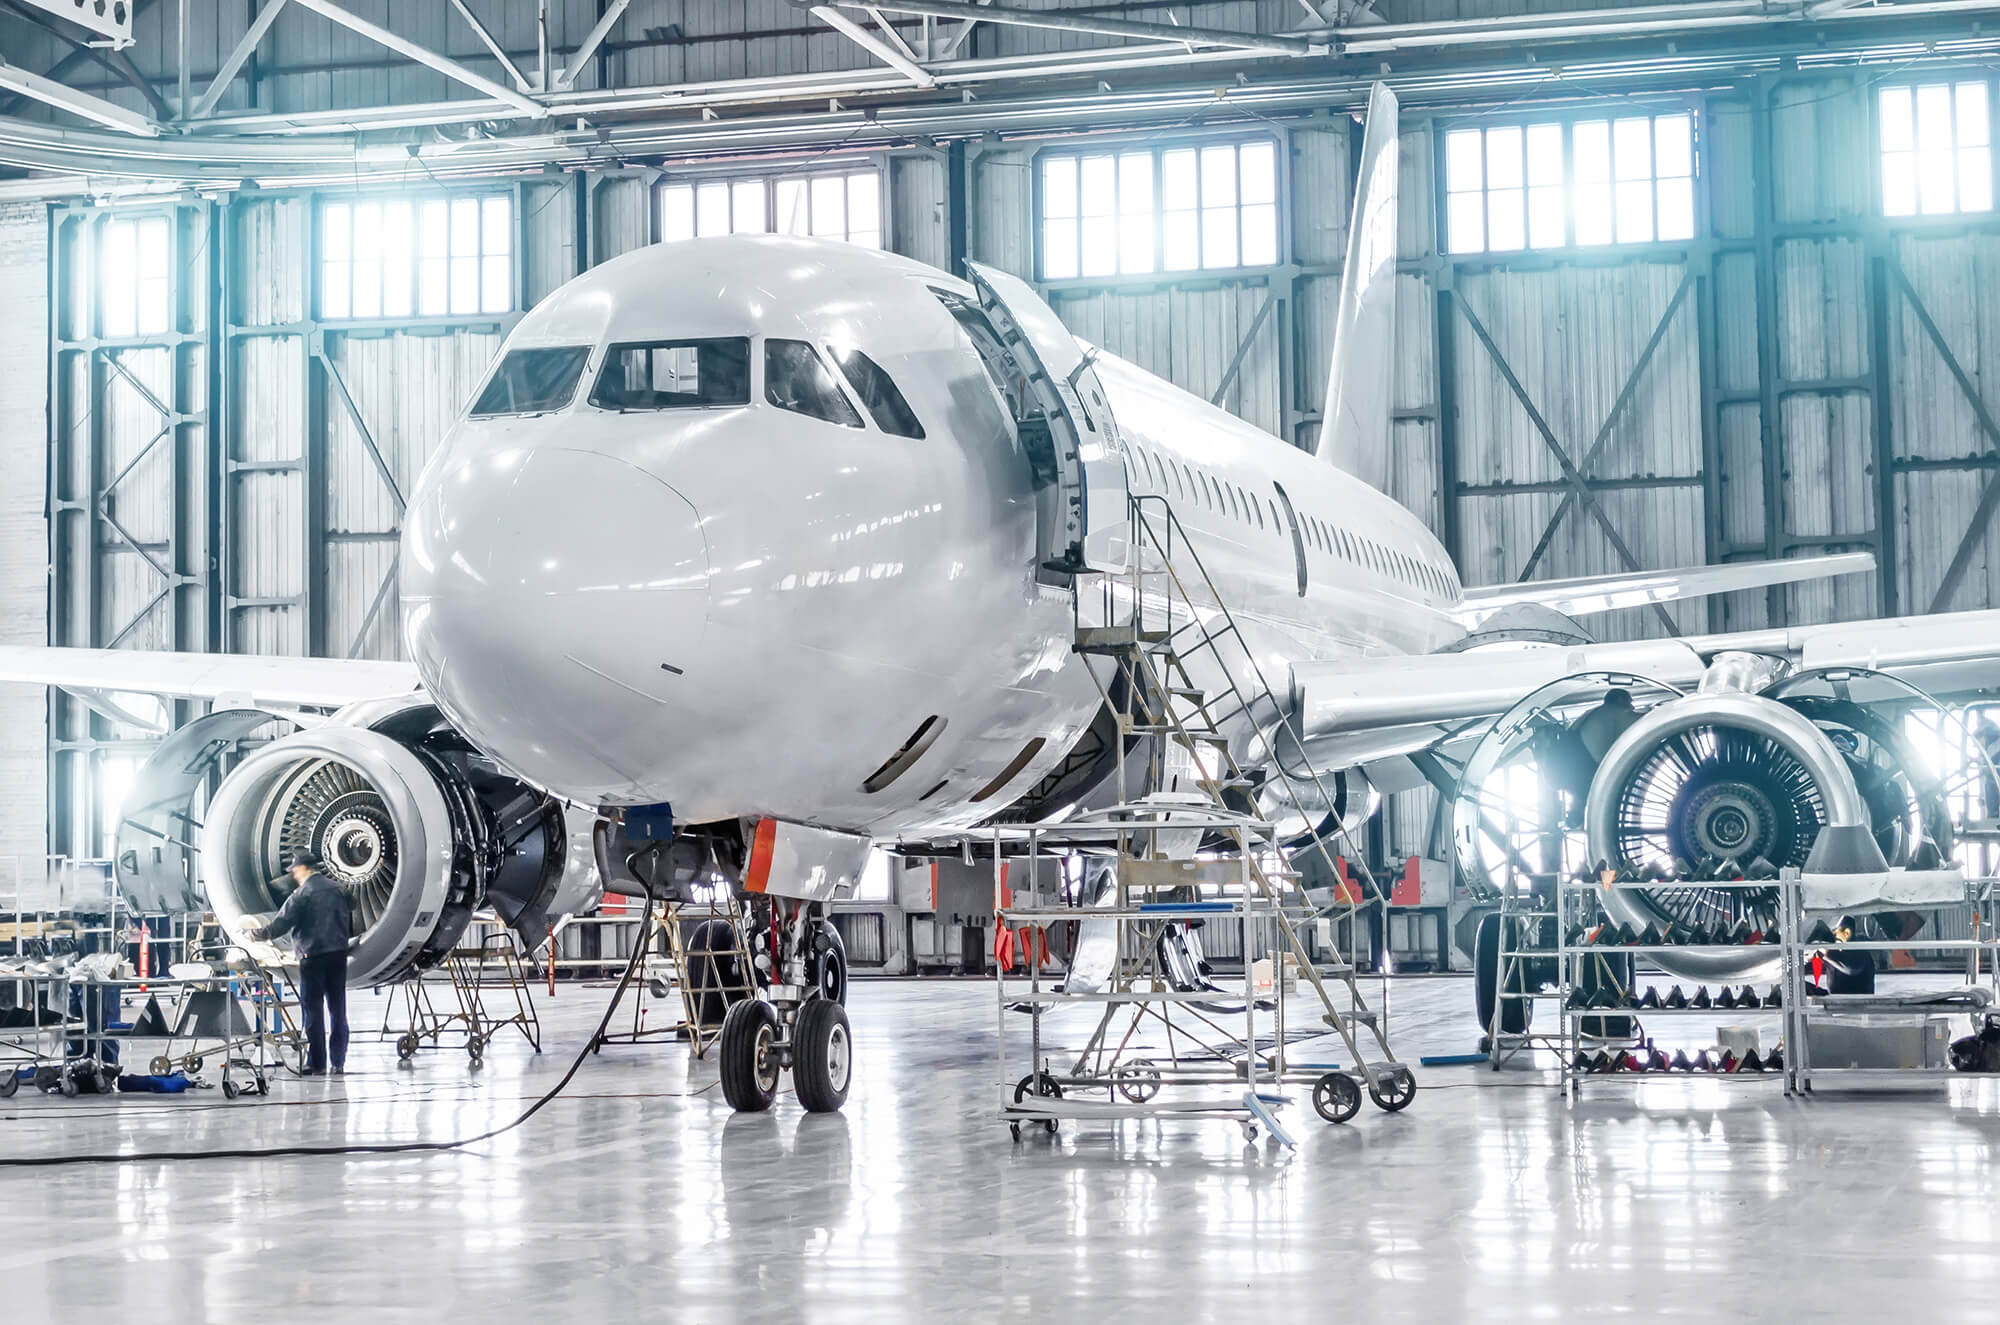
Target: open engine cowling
(421, 828)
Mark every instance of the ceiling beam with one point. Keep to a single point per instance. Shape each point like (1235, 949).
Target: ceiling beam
(874, 45)
(423, 55)
(245, 47)
(111, 56)
(1064, 21)
(52, 93)
(479, 30)
(605, 22)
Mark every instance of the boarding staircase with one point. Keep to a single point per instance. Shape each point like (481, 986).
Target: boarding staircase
(1176, 667)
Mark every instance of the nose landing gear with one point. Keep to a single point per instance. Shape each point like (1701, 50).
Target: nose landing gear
(795, 1023)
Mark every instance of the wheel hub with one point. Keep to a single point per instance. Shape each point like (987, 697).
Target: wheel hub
(837, 1058)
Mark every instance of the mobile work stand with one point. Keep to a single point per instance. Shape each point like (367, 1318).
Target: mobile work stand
(470, 971)
(696, 950)
(1158, 1048)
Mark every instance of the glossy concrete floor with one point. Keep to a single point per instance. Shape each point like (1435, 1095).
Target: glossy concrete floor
(637, 1195)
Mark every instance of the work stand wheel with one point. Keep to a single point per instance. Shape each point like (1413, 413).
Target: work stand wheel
(406, 1046)
(229, 1091)
(1137, 1082)
(1037, 1084)
(1393, 1090)
(1336, 1098)
(822, 1055)
(160, 1066)
(750, 1058)
(475, 1050)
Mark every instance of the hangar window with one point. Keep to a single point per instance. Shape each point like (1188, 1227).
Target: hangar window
(885, 404)
(134, 276)
(839, 204)
(1158, 209)
(682, 374)
(797, 379)
(1510, 187)
(438, 257)
(1937, 149)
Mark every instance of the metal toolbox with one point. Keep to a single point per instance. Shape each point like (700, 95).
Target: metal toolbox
(1878, 1041)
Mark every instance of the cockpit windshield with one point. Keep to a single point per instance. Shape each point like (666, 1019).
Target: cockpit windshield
(674, 374)
(536, 381)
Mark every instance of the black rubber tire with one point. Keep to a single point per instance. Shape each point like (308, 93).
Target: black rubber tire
(750, 1027)
(830, 963)
(822, 1056)
(1517, 1012)
(68, 1086)
(1393, 1093)
(229, 1091)
(406, 1045)
(1336, 1098)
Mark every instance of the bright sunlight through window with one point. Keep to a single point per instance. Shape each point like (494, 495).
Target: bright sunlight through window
(135, 268)
(1588, 182)
(440, 257)
(841, 205)
(1937, 149)
(1177, 209)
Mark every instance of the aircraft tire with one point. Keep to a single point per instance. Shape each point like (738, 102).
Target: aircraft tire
(750, 1056)
(822, 1056)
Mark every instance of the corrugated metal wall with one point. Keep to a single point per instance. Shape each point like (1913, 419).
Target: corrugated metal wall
(24, 538)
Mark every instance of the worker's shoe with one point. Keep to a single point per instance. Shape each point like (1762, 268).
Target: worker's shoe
(1700, 999)
(1675, 999)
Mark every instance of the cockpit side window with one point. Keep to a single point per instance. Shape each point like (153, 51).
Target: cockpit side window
(797, 379)
(885, 404)
(674, 374)
(536, 381)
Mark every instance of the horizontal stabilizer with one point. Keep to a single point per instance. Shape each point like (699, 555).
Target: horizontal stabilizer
(1608, 593)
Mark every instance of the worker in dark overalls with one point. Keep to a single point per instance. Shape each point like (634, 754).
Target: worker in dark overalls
(321, 922)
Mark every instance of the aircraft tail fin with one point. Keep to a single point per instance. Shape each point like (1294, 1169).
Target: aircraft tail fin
(1355, 425)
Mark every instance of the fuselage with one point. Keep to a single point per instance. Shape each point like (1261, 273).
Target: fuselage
(718, 569)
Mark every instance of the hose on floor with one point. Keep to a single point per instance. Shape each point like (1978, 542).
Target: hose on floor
(363, 1148)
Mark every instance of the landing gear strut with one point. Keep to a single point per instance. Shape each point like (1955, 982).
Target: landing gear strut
(795, 1021)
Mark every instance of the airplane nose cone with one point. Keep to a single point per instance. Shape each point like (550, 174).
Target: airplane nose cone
(555, 602)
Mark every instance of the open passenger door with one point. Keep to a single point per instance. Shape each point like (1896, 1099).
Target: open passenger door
(1066, 427)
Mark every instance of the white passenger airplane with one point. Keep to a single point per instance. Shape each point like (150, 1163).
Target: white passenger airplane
(740, 561)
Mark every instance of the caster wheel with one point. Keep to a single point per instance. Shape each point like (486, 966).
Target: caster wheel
(1393, 1091)
(822, 1056)
(160, 1066)
(107, 1083)
(1043, 1085)
(229, 1091)
(263, 1084)
(1015, 1128)
(657, 988)
(1249, 1133)
(475, 1049)
(1137, 1082)
(68, 1086)
(750, 1056)
(1336, 1098)
(406, 1045)
(10, 1081)
(194, 1064)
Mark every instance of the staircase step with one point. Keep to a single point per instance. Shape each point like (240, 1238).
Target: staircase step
(1115, 639)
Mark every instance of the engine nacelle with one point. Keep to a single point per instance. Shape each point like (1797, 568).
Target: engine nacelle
(422, 829)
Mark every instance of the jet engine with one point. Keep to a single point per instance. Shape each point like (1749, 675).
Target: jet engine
(419, 827)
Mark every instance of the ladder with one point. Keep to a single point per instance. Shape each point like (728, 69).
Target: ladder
(1170, 620)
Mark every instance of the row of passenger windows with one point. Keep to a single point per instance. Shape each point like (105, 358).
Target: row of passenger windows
(694, 374)
(1190, 483)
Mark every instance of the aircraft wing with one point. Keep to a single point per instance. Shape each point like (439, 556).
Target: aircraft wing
(231, 677)
(1380, 707)
(1606, 593)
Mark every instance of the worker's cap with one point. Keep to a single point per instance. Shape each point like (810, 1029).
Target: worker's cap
(304, 859)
